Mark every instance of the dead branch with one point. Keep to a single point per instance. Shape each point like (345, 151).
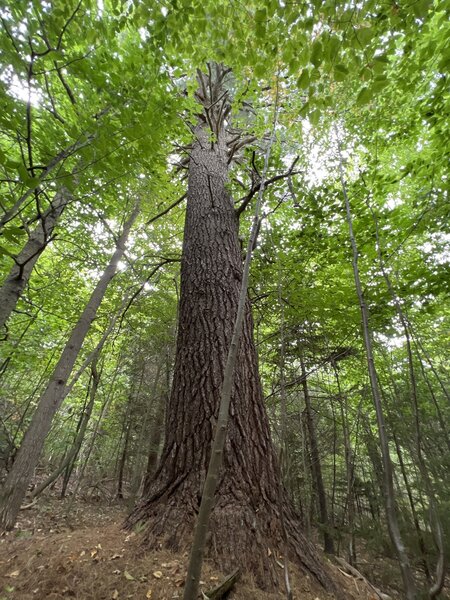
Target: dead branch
(256, 187)
(224, 587)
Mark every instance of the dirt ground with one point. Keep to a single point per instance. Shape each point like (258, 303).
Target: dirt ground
(59, 551)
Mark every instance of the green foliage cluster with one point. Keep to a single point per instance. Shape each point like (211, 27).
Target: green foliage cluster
(97, 98)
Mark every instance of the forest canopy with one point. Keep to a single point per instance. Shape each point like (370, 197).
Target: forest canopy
(137, 140)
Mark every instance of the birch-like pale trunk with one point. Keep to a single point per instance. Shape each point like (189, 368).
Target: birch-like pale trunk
(24, 262)
(10, 214)
(73, 452)
(16, 484)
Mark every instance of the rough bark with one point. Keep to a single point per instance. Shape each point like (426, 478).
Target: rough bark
(24, 262)
(16, 484)
(245, 522)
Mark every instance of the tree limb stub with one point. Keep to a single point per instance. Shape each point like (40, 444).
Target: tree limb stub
(224, 587)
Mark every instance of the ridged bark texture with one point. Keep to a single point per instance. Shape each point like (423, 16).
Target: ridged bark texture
(245, 527)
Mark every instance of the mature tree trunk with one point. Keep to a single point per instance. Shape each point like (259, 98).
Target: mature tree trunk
(245, 526)
(24, 262)
(15, 487)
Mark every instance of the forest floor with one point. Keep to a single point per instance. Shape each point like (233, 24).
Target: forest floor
(63, 551)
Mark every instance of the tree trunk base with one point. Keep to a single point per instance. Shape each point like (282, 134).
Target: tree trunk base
(239, 536)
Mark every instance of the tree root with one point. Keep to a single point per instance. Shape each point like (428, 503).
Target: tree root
(349, 571)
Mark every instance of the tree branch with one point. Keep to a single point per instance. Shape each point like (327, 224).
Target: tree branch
(255, 188)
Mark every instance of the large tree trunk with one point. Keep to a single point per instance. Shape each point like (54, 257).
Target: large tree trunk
(245, 527)
(19, 477)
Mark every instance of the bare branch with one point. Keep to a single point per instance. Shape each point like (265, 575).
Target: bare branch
(255, 188)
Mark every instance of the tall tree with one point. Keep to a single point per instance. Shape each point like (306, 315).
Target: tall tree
(246, 519)
(15, 486)
(24, 262)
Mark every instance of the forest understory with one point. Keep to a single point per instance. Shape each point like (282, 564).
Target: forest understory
(65, 548)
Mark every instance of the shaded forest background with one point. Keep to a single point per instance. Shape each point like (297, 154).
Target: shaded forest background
(97, 102)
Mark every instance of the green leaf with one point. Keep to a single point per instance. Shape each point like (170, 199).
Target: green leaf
(314, 117)
(332, 47)
(260, 22)
(316, 53)
(364, 96)
(303, 80)
(23, 173)
(379, 84)
(365, 34)
(421, 7)
(340, 72)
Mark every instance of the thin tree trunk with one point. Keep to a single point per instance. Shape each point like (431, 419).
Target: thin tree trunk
(435, 521)
(391, 514)
(412, 505)
(432, 367)
(27, 458)
(154, 435)
(91, 442)
(316, 467)
(122, 462)
(302, 493)
(349, 469)
(72, 454)
(15, 209)
(24, 262)
(282, 461)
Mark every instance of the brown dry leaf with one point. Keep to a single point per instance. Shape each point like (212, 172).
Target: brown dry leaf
(14, 574)
(93, 553)
(157, 574)
(149, 594)
(179, 582)
(115, 595)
